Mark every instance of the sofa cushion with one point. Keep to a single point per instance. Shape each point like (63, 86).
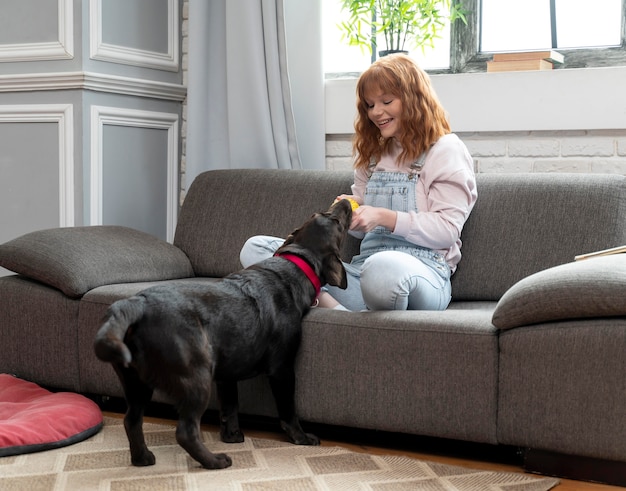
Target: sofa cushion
(525, 223)
(592, 287)
(401, 371)
(223, 208)
(77, 259)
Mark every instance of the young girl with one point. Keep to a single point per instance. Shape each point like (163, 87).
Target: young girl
(415, 183)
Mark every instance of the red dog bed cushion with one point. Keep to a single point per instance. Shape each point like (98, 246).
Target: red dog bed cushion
(33, 419)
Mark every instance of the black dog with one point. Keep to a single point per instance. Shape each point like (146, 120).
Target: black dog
(179, 339)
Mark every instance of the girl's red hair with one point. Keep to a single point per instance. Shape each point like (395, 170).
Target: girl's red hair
(423, 119)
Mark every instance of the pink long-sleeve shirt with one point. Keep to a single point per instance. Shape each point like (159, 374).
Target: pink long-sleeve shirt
(445, 195)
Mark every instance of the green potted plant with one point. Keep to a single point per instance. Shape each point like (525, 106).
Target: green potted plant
(402, 23)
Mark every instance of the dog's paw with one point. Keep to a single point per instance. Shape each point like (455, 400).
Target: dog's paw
(231, 436)
(312, 439)
(144, 459)
(218, 461)
(307, 439)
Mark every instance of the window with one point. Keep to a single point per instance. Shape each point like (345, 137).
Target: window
(589, 34)
(341, 59)
(555, 24)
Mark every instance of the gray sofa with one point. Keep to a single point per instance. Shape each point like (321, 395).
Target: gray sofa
(531, 353)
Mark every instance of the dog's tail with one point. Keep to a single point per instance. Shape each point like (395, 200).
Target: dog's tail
(109, 343)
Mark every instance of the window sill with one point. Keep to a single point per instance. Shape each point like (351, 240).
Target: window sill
(566, 99)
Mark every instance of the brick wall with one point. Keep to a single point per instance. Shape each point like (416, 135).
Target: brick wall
(544, 151)
(183, 126)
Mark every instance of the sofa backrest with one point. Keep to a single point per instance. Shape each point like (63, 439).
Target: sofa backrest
(223, 208)
(521, 224)
(524, 223)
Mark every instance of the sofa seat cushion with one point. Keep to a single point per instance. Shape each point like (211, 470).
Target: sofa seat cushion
(432, 373)
(588, 288)
(33, 419)
(77, 259)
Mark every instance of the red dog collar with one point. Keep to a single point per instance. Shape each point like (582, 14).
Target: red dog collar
(306, 269)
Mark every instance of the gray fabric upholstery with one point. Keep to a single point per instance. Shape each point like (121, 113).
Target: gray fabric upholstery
(77, 259)
(524, 223)
(511, 210)
(224, 208)
(547, 373)
(432, 372)
(593, 287)
(38, 333)
(562, 387)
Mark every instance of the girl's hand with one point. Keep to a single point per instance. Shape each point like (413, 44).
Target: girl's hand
(366, 218)
(344, 196)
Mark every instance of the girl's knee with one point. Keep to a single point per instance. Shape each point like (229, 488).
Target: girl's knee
(384, 281)
(248, 252)
(258, 248)
(386, 264)
(393, 280)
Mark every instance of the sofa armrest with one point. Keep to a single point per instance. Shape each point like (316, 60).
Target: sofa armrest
(78, 259)
(593, 287)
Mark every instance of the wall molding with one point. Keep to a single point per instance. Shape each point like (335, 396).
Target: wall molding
(101, 116)
(62, 49)
(63, 115)
(98, 82)
(99, 50)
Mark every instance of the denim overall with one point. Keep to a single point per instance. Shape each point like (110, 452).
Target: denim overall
(395, 191)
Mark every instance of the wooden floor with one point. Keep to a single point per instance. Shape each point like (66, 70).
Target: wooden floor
(380, 445)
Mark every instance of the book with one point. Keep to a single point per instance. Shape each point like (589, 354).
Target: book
(549, 55)
(604, 252)
(518, 65)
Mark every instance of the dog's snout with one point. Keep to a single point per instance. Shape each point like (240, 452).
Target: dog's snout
(345, 207)
(342, 206)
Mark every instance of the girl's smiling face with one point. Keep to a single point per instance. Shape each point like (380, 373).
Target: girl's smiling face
(385, 111)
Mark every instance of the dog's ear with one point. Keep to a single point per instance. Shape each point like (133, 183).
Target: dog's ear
(335, 272)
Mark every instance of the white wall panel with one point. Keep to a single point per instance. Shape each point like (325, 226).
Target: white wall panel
(120, 117)
(119, 48)
(60, 48)
(61, 115)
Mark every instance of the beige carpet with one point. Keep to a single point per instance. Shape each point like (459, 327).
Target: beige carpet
(103, 463)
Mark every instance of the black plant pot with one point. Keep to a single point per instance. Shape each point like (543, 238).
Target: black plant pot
(391, 51)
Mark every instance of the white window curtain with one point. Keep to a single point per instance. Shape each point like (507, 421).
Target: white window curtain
(239, 111)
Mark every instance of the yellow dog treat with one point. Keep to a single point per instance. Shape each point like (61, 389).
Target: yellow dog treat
(353, 203)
